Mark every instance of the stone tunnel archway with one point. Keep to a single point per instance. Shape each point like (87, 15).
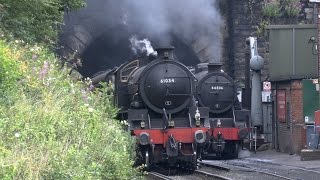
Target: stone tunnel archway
(103, 42)
(103, 50)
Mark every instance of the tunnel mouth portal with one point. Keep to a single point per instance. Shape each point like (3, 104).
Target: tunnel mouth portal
(99, 34)
(112, 48)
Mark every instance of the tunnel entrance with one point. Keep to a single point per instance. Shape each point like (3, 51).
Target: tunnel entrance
(110, 50)
(99, 34)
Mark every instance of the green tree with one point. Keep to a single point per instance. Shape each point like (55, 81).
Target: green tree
(35, 20)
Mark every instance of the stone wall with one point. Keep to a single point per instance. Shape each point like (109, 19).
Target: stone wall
(244, 18)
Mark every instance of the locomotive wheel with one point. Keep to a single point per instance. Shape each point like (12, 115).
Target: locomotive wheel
(231, 150)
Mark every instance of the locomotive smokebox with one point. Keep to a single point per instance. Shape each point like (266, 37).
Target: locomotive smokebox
(214, 67)
(166, 52)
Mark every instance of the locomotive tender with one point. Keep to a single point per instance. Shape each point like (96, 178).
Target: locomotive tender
(177, 116)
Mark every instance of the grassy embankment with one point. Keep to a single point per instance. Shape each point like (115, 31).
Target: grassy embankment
(52, 127)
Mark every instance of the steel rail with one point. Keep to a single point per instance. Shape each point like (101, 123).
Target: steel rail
(248, 169)
(212, 175)
(158, 175)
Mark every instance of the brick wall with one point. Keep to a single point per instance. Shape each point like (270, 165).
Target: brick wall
(291, 134)
(297, 115)
(240, 25)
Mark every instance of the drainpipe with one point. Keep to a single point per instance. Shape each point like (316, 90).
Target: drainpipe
(247, 93)
(275, 133)
(314, 16)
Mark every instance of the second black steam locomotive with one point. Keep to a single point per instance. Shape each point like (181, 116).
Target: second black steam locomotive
(176, 115)
(228, 121)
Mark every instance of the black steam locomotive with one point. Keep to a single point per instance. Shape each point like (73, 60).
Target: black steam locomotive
(155, 95)
(227, 122)
(177, 116)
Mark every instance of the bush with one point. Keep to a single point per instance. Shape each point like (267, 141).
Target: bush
(292, 7)
(9, 68)
(54, 128)
(271, 9)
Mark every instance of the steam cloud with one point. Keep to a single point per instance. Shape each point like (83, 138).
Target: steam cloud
(195, 22)
(141, 46)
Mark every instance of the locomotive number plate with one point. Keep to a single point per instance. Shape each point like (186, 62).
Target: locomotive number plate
(217, 87)
(167, 80)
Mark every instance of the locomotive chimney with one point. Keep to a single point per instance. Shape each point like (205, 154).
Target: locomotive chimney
(165, 52)
(214, 67)
(202, 67)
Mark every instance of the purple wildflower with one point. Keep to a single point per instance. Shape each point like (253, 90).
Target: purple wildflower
(91, 87)
(34, 56)
(44, 70)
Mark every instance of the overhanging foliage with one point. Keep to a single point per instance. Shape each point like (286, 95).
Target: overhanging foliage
(35, 20)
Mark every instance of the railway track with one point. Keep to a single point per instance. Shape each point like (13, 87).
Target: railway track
(157, 176)
(211, 175)
(247, 173)
(292, 167)
(216, 166)
(238, 169)
(294, 170)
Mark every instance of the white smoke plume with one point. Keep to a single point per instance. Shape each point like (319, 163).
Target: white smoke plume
(195, 22)
(141, 46)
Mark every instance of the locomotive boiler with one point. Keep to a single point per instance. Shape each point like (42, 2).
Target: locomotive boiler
(155, 95)
(227, 120)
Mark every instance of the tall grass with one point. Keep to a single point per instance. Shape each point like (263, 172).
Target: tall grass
(54, 128)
